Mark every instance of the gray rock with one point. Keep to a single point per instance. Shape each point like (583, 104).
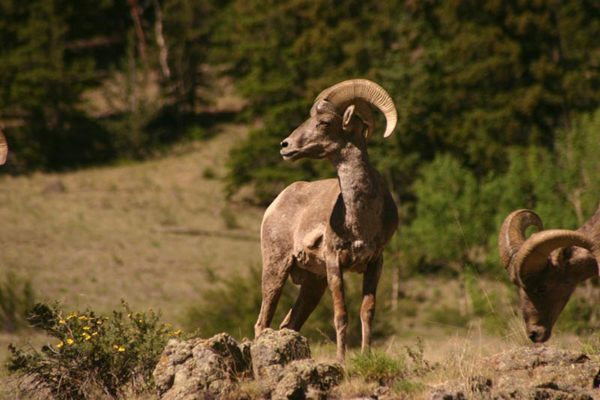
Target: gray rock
(198, 369)
(225, 346)
(246, 347)
(307, 379)
(528, 373)
(272, 350)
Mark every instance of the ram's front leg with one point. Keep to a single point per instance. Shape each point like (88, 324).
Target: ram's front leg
(367, 310)
(335, 280)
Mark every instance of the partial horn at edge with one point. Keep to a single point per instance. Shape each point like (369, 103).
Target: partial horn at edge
(3, 148)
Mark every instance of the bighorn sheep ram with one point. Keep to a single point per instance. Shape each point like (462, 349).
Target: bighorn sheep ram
(315, 231)
(547, 266)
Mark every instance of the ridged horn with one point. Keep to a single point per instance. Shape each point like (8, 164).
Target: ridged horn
(512, 236)
(533, 255)
(349, 92)
(3, 148)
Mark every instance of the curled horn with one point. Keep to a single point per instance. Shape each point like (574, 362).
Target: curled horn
(512, 236)
(352, 92)
(3, 148)
(533, 255)
(525, 257)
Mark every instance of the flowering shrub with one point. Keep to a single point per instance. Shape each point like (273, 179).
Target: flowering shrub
(91, 354)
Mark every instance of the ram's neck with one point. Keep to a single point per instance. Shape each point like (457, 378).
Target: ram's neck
(359, 194)
(584, 264)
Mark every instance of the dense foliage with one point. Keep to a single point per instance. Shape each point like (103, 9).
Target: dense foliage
(88, 83)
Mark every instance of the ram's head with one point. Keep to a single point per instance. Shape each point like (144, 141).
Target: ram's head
(546, 267)
(340, 114)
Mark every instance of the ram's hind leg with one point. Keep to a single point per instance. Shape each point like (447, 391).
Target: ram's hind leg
(274, 276)
(367, 310)
(311, 291)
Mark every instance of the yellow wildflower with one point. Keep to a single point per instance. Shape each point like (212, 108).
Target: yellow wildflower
(129, 315)
(61, 344)
(99, 322)
(167, 326)
(72, 315)
(70, 341)
(177, 332)
(140, 321)
(116, 346)
(94, 334)
(62, 322)
(121, 349)
(86, 328)
(83, 318)
(86, 336)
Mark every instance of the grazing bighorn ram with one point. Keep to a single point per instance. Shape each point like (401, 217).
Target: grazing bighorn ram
(315, 231)
(547, 266)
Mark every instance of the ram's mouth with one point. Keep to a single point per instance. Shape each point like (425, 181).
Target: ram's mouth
(289, 154)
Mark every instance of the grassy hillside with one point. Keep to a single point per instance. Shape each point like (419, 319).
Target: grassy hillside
(95, 236)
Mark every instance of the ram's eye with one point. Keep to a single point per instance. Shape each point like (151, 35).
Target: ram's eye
(323, 124)
(540, 289)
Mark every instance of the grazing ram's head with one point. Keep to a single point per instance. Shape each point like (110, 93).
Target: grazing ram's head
(545, 267)
(340, 114)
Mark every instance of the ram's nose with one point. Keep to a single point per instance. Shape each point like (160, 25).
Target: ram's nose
(539, 335)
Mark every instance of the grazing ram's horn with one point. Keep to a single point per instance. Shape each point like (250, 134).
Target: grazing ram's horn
(3, 148)
(512, 236)
(349, 92)
(533, 255)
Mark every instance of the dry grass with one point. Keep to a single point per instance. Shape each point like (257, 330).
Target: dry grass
(92, 237)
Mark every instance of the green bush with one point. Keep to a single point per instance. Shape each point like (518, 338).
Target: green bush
(90, 353)
(16, 300)
(396, 372)
(378, 366)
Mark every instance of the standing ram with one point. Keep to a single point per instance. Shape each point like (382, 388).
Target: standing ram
(547, 266)
(316, 231)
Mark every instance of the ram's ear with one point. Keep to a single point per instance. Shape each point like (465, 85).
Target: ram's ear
(348, 114)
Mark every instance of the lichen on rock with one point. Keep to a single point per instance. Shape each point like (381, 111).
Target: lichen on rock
(211, 368)
(272, 350)
(199, 368)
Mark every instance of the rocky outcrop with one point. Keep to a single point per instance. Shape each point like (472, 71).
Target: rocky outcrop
(212, 368)
(307, 379)
(199, 368)
(528, 373)
(273, 350)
